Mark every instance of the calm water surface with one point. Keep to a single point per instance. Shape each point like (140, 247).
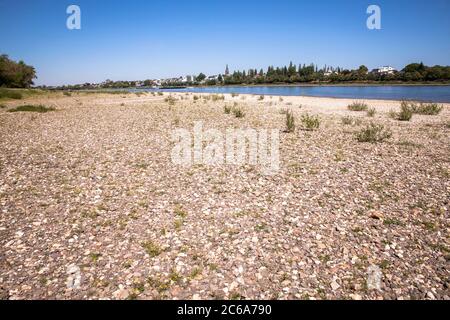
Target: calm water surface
(420, 93)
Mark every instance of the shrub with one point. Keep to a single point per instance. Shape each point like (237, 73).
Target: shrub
(373, 133)
(32, 108)
(234, 95)
(2, 106)
(392, 114)
(10, 94)
(160, 93)
(290, 121)
(371, 112)
(357, 106)
(261, 97)
(216, 97)
(67, 93)
(405, 113)
(170, 100)
(196, 98)
(227, 109)
(347, 120)
(238, 113)
(429, 109)
(310, 122)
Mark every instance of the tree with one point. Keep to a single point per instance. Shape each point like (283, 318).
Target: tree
(227, 71)
(15, 75)
(201, 76)
(363, 69)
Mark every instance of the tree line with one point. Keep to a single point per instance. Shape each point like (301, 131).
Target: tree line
(414, 72)
(15, 74)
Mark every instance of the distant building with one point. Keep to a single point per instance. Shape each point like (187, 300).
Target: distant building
(385, 70)
(227, 71)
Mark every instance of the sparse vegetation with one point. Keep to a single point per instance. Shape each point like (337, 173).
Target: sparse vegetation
(217, 97)
(347, 120)
(373, 133)
(371, 112)
(310, 122)
(290, 121)
(261, 97)
(151, 248)
(170, 100)
(10, 94)
(357, 106)
(32, 108)
(405, 113)
(227, 109)
(238, 113)
(429, 109)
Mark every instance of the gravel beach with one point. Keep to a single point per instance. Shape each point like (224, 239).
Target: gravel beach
(92, 206)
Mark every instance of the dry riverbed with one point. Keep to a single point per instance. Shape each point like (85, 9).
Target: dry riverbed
(92, 207)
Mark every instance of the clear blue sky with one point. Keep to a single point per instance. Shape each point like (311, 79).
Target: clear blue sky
(131, 40)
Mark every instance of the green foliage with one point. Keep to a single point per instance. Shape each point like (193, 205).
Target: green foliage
(373, 133)
(290, 121)
(170, 100)
(426, 108)
(227, 109)
(238, 113)
(152, 249)
(347, 120)
(10, 94)
(217, 97)
(200, 77)
(32, 108)
(405, 113)
(357, 106)
(371, 112)
(15, 74)
(310, 122)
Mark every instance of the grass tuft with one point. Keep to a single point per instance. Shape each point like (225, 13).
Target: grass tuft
(357, 106)
(373, 133)
(32, 108)
(310, 122)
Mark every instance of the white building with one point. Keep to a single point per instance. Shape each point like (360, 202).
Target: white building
(385, 70)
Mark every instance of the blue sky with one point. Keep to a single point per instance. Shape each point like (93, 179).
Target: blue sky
(141, 39)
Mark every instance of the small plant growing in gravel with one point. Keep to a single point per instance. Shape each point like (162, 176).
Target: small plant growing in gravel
(196, 98)
(429, 109)
(217, 97)
(373, 133)
(2, 106)
(170, 100)
(32, 108)
(261, 97)
(290, 121)
(347, 120)
(227, 109)
(10, 94)
(284, 111)
(357, 106)
(67, 94)
(405, 113)
(310, 122)
(151, 248)
(234, 95)
(371, 112)
(280, 99)
(160, 93)
(392, 114)
(238, 113)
